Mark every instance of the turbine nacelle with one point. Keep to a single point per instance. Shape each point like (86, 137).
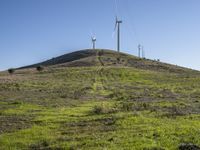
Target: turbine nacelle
(117, 22)
(93, 38)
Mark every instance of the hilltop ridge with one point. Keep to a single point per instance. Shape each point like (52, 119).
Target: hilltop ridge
(105, 57)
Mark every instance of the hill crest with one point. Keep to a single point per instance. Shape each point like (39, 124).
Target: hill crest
(105, 57)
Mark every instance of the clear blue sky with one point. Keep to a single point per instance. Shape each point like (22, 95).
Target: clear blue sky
(35, 30)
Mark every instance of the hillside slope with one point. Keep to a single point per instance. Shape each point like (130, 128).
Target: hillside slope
(100, 106)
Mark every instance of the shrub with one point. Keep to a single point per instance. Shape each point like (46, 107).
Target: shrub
(98, 110)
(78, 93)
(127, 106)
(175, 111)
(109, 121)
(39, 68)
(131, 106)
(102, 109)
(16, 103)
(41, 145)
(11, 71)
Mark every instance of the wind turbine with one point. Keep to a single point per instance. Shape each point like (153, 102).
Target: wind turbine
(117, 26)
(93, 42)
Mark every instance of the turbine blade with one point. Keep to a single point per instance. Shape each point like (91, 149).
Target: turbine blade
(113, 34)
(116, 20)
(115, 26)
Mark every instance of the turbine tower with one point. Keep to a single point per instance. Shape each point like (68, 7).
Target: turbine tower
(93, 42)
(139, 50)
(117, 25)
(143, 52)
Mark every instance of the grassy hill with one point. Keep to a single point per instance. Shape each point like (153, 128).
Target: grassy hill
(102, 57)
(100, 100)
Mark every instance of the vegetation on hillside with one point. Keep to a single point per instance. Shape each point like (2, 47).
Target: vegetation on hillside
(99, 107)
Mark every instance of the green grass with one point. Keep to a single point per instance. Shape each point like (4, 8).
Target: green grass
(99, 108)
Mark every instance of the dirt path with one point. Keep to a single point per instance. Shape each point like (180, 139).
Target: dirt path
(98, 85)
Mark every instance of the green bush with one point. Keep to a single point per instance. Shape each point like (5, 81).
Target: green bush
(98, 110)
(102, 109)
(11, 71)
(39, 68)
(131, 106)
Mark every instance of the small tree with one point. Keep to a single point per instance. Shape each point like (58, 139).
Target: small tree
(40, 68)
(11, 71)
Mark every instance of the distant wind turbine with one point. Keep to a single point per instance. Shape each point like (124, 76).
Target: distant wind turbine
(117, 26)
(139, 50)
(93, 42)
